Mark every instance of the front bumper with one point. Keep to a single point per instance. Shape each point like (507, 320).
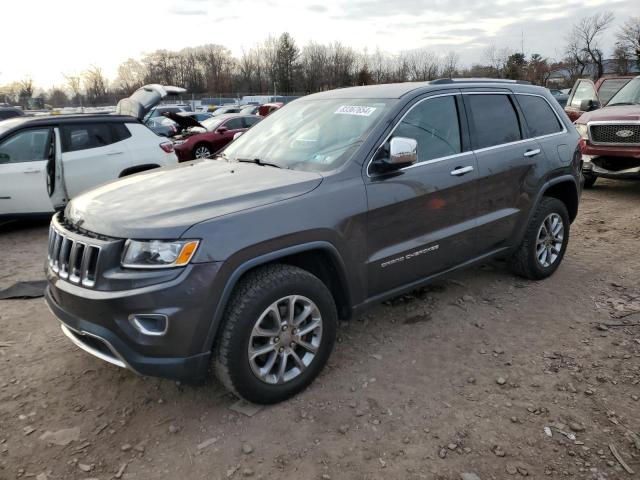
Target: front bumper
(183, 152)
(100, 323)
(624, 168)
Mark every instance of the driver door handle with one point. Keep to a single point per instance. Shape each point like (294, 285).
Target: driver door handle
(32, 171)
(532, 153)
(115, 153)
(459, 171)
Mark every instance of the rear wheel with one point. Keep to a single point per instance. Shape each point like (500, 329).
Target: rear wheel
(278, 332)
(589, 180)
(545, 241)
(202, 151)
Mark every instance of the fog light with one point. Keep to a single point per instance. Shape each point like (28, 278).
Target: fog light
(152, 324)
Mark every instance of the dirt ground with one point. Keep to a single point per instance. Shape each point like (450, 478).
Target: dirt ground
(482, 373)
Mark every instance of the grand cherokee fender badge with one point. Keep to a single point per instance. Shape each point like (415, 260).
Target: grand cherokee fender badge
(624, 133)
(409, 256)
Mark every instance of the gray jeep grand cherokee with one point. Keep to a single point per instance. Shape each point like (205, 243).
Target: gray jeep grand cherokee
(335, 202)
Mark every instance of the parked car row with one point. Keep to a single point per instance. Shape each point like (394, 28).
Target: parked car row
(47, 160)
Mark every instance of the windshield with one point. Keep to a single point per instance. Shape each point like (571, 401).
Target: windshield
(628, 95)
(211, 123)
(315, 135)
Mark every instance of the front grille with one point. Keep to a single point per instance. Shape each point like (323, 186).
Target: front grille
(615, 134)
(71, 259)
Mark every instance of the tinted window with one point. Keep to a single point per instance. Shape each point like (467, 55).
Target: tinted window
(584, 91)
(250, 121)
(434, 125)
(609, 88)
(26, 146)
(119, 132)
(494, 119)
(91, 135)
(234, 124)
(539, 116)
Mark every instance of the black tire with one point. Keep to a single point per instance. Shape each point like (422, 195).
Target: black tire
(202, 146)
(252, 296)
(525, 262)
(589, 180)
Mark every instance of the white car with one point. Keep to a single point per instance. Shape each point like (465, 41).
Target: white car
(45, 161)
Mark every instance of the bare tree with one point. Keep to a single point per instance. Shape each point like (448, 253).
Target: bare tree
(450, 64)
(95, 85)
(586, 34)
(497, 59)
(629, 38)
(130, 76)
(74, 85)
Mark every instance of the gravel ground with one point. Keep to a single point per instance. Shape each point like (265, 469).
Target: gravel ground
(481, 373)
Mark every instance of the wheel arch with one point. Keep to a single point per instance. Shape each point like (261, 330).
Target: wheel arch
(564, 189)
(320, 258)
(138, 169)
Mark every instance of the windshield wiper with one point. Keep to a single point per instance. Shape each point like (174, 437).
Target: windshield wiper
(257, 161)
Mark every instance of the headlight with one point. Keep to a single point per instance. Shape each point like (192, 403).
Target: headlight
(158, 253)
(582, 130)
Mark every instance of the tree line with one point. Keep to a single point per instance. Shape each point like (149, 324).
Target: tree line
(279, 66)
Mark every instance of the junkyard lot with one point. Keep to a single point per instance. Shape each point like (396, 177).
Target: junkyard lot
(409, 383)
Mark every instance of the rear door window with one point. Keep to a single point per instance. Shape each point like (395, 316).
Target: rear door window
(435, 125)
(585, 90)
(494, 120)
(539, 116)
(91, 135)
(234, 124)
(250, 121)
(26, 146)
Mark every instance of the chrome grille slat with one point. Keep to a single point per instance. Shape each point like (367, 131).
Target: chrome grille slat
(608, 133)
(73, 260)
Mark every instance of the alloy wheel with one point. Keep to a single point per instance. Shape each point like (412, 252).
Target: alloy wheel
(285, 339)
(202, 152)
(549, 240)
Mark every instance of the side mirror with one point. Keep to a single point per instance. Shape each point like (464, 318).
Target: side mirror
(4, 158)
(222, 129)
(237, 134)
(402, 152)
(588, 105)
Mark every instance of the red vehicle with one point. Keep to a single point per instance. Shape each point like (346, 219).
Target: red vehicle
(610, 142)
(202, 139)
(587, 96)
(268, 108)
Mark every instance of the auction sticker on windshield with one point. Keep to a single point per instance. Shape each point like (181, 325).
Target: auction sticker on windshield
(359, 110)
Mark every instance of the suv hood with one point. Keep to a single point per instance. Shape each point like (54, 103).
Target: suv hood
(165, 202)
(145, 99)
(619, 113)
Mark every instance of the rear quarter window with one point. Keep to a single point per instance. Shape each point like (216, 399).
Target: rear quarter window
(539, 116)
(92, 135)
(494, 120)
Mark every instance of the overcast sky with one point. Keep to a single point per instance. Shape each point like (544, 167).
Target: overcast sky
(46, 38)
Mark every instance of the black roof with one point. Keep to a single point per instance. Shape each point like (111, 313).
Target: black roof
(46, 120)
(398, 90)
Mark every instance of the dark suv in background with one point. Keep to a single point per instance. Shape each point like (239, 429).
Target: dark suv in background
(245, 262)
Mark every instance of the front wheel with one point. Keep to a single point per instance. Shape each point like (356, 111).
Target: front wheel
(589, 180)
(279, 330)
(545, 241)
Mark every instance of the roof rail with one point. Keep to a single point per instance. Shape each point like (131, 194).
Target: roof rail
(444, 81)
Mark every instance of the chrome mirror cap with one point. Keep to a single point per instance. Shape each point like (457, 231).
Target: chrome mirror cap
(403, 151)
